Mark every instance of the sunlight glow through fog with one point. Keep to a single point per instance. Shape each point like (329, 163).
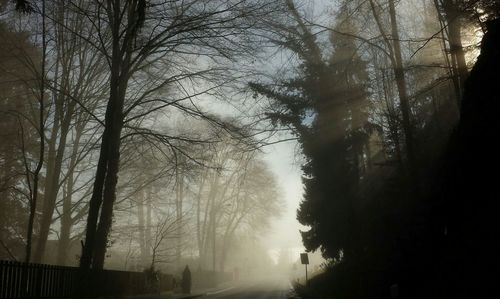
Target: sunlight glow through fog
(284, 232)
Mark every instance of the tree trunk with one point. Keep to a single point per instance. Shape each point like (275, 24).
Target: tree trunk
(402, 91)
(114, 122)
(53, 189)
(178, 215)
(214, 237)
(391, 118)
(66, 224)
(104, 192)
(66, 220)
(41, 122)
(95, 204)
(51, 158)
(109, 194)
(149, 212)
(96, 199)
(199, 232)
(140, 218)
(207, 219)
(31, 221)
(452, 15)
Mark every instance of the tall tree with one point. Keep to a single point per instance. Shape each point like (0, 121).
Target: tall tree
(453, 14)
(78, 79)
(33, 175)
(19, 137)
(324, 108)
(393, 49)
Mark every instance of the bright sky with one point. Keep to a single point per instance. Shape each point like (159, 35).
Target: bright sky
(284, 160)
(284, 232)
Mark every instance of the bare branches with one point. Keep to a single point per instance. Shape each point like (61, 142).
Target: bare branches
(6, 248)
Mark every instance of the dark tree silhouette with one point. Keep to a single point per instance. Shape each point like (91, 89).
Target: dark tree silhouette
(467, 198)
(326, 108)
(24, 6)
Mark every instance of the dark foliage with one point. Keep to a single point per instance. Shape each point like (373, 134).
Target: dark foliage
(468, 198)
(24, 6)
(325, 107)
(434, 235)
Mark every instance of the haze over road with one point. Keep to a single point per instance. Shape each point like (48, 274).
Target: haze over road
(271, 288)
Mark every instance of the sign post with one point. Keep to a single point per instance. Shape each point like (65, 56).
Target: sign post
(304, 259)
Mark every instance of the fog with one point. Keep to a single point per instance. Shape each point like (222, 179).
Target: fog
(208, 143)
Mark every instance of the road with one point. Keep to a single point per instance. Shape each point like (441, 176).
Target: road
(274, 288)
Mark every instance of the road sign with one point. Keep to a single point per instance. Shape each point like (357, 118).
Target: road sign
(304, 259)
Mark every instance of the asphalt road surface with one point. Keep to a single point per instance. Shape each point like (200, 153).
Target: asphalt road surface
(273, 288)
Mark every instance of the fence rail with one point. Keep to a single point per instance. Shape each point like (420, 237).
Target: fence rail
(22, 280)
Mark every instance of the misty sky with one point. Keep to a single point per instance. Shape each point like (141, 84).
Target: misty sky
(284, 162)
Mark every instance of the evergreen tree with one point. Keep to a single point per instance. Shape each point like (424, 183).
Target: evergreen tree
(324, 106)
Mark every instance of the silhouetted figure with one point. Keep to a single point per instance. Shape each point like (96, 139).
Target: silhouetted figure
(186, 280)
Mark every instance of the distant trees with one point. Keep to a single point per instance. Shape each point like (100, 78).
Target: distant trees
(19, 139)
(28, 66)
(226, 193)
(238, 193)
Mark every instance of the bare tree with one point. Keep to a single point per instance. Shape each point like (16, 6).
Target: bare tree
(33, 175)
(78, 80)
(393, 48)
(134, 36)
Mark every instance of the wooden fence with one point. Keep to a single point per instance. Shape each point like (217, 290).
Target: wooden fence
(21, 280)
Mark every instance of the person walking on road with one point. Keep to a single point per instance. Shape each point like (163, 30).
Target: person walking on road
(186, 280)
